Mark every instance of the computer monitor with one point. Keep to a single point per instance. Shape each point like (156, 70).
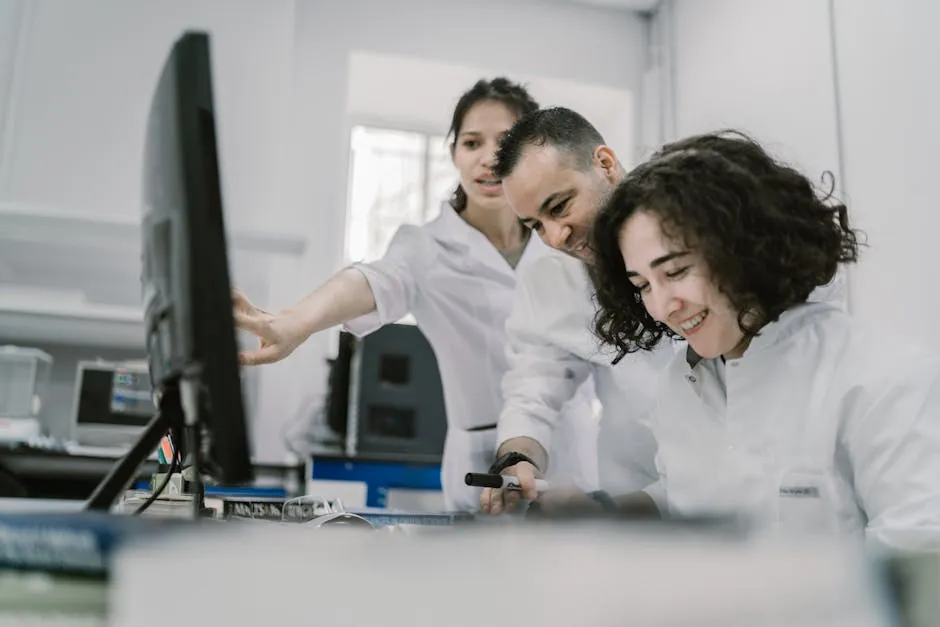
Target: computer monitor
(113, 403)
(190, 334)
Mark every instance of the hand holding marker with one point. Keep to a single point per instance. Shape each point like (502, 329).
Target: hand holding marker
(506, 482)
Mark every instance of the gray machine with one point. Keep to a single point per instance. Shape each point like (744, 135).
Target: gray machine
(396, 402)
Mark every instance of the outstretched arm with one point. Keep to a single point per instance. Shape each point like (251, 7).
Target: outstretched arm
(346, 295)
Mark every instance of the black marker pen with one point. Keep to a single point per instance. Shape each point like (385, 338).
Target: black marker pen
(486, 480)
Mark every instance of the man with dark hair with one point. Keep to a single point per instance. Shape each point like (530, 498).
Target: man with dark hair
(556, 172)
(562, 128)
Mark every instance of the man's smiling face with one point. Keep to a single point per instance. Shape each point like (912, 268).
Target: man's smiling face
(558, 199)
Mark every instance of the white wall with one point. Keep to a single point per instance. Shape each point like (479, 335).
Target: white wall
(862, 104)
(381, 89)
(76, 79)
(890, 102)
(87, 77)
(11, 19)
(762, 66)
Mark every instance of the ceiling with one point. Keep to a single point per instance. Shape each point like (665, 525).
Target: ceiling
(626, 5)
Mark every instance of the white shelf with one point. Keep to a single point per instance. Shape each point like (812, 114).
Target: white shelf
(41, 223)
(61, 271)
(89, 325)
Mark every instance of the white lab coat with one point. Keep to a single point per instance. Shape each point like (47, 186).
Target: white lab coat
(820, 426)
(459, 289)
(552, 349)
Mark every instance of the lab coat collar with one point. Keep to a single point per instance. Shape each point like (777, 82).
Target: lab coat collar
(789, 323)
(449, 228)
(452, 230)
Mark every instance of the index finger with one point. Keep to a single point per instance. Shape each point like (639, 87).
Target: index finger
(247, 322)
(503, 500)
(264, 355)
(485, 499)
(526, 475)
(239, 298)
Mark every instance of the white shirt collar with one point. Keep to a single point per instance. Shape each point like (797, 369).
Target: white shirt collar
(789, 323)
(449, 227)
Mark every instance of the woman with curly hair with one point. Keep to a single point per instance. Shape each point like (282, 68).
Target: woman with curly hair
(781, 411)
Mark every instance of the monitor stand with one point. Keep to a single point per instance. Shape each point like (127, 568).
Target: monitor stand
(178, 414)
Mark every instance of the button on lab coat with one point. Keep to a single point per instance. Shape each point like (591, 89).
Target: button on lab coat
(552, 349)
(822, 426)
(459, 289)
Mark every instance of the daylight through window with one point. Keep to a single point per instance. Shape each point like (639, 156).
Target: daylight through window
(396, 177)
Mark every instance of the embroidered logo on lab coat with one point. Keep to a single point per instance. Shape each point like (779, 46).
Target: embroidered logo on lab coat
(811, 492)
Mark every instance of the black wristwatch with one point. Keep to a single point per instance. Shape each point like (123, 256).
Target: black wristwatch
(510, 459)
(604, 499)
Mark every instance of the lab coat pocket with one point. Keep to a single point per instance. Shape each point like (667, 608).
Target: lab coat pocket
(806, 501)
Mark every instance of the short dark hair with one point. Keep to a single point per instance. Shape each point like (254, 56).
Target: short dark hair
(566, 130)
(767, 238)
(512, 95)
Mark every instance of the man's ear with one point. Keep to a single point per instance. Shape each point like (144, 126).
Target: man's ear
(606, 160)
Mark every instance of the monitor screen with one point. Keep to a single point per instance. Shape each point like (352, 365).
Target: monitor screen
(113, 396)
(131, 394)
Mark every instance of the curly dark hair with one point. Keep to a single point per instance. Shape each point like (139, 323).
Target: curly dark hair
(512, 95)
(765, 235)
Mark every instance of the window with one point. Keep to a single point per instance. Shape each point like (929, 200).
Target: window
(396, 177)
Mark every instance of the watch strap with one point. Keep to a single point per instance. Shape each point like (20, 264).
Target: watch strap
(510, 459)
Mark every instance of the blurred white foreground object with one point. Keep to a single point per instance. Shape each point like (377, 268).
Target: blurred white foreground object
(526, 575)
